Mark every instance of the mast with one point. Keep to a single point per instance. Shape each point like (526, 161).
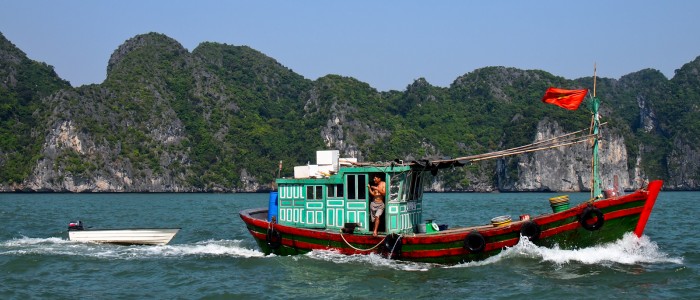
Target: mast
(596, 190)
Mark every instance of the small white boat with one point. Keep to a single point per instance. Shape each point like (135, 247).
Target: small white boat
(127, 236)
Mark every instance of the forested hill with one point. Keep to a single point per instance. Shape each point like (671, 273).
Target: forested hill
(222, 117)
(24, 84)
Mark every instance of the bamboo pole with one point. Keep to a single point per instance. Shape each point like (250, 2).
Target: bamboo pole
(594, 78)
(593, 119)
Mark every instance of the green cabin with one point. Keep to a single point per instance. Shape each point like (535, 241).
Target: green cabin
(339, 194)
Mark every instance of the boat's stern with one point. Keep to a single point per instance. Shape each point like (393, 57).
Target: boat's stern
(256, 222)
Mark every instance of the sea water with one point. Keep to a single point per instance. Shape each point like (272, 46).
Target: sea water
(214, 256)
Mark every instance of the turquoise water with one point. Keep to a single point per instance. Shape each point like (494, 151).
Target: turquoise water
(213, 256)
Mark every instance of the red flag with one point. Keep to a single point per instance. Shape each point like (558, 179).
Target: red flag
(569, 99)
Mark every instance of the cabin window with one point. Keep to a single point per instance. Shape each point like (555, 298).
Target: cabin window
(415, 184)
(356, 186)
(314, 192)
(395, 182)
(335, 191)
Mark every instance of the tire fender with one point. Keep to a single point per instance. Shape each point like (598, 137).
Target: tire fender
(474, 242)
(273, 238)
(589, 213)
(531, 230)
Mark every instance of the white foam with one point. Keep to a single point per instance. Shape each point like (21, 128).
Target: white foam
(58, 246)
(628, 250)
(206, 248)
(372, 259)
(25, 241)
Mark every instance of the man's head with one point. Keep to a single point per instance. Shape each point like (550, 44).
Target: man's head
(377, 179)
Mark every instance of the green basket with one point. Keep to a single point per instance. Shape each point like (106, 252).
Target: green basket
(560, 207)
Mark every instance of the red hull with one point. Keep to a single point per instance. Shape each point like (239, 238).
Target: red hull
(571, 228)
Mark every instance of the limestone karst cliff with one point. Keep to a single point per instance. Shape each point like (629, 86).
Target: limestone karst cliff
(222, 117)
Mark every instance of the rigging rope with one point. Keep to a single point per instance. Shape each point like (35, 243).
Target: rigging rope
(358, 249)
(568, 139)
(555, 142)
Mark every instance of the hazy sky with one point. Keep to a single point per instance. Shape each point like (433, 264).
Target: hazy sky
(387, 44)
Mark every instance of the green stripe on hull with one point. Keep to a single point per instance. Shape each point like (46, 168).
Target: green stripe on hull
(612, 230)
(634, 204)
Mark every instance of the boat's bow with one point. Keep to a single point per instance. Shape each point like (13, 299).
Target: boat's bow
(652, 192)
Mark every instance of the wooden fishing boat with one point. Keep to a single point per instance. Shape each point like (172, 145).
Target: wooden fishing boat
(127, 236)
(326, 207)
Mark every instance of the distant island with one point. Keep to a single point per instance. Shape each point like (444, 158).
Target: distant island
(222, 117)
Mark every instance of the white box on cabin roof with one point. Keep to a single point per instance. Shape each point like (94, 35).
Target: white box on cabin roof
(328, 157)
(313, 171)
(326, 170)
(301, 172)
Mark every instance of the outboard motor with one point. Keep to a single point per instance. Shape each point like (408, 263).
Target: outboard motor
(77, 225)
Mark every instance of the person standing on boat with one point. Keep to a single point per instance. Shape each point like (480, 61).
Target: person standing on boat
(376, 208)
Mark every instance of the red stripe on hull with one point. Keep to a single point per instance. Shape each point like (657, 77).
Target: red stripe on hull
(574, 225)
(457, 252)
(558, 230)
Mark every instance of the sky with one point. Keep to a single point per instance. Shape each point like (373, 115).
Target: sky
(387, 44)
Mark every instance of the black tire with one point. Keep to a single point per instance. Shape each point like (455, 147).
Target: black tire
(392, 246)
(474, 242)
(531, 230)
(273, 239)
(587, 214)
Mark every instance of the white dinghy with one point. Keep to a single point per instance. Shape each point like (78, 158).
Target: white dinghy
(127, 236)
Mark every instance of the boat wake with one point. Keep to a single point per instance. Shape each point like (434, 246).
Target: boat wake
(628, 250)
(58, 246)
(371, 259)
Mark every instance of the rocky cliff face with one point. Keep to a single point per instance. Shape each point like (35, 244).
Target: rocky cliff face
(80, 152)
(567, 168)
(683, 164)
(74, 160)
